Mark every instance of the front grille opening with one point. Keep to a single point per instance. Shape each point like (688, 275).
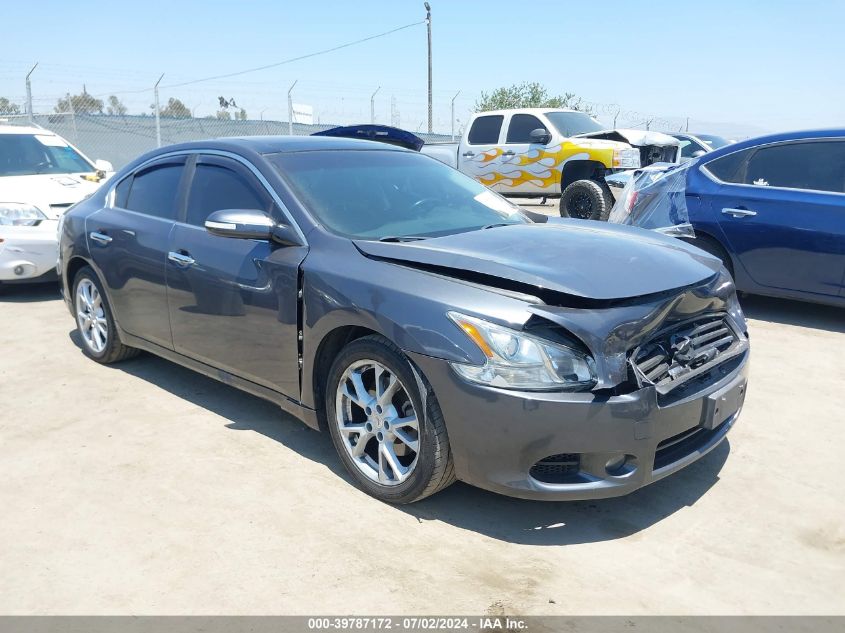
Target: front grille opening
(679, 446)
(686, 351)
(563, 468)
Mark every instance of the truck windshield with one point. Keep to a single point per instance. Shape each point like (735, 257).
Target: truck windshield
(376, 195)
(28, 154)
(573, 123)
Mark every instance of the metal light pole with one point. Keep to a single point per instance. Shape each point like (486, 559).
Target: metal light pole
(158, 120)
(453, 113)
(373, 106)
(428, 25)
(29, 93)
(290, 109)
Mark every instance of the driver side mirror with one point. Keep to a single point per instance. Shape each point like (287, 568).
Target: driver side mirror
(103, 165)
(698, 153)
(249, 224)
(540, 136)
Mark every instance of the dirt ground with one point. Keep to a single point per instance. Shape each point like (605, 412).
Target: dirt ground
(143, 488)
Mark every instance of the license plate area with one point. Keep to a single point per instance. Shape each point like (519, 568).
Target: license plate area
(722, 404)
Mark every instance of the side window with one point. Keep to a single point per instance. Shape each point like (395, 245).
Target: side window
(818, 165)
(688, 148)
(215, 187)
(485, 130)
(121, 192)
(521, 126)
(729, 168)
(154, 191)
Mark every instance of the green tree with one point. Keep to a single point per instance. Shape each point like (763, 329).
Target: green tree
(528, 95)
(7, 107)
(175, 109)
(224, 115)
(240, 115)
(116, 106)
(83, 103)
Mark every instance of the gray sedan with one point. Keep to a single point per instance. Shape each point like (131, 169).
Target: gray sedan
(435, 330)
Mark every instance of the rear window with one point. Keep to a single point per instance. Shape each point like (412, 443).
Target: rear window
(485, 130)
(153, 191)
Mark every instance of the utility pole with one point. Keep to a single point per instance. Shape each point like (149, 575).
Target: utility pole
(373, 106)
(453, 113)
(155, 102)
(29, 93)
(428, 25)
(687, 124)
(290, 108)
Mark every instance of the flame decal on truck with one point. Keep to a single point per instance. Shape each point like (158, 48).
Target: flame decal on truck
(542, 165)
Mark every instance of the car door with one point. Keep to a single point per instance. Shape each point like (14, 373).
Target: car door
(521, 159)
(480, 153)
(233, 302)
(689, 146)
(128, 241)
(781, 208)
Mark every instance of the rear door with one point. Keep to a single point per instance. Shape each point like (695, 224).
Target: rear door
(233, 302)
(521, 159)
(781, 208)
(128, 242)
(480, 152)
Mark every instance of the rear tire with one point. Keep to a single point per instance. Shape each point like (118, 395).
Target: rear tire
(95, 320)
(586, 200)
(390, 436)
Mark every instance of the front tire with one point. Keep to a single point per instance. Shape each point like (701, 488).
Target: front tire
(386, 424)
(95, 321)
(586, 200)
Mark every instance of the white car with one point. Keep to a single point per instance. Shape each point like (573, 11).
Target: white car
(41, 175)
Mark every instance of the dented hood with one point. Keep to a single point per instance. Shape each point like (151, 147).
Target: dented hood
(584, 259)
(638, 138)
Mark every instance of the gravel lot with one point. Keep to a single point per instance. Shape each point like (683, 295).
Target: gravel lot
(144, 488)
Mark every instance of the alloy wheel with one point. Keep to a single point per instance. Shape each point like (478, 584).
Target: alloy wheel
(91, 316)
(580, 206)
(378, 424)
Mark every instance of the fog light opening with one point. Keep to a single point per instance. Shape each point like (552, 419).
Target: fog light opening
(620, 465)
(18, 270)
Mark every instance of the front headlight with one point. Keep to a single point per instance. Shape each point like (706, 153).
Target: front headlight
(516, 360)
(627, 158)
(17, 214)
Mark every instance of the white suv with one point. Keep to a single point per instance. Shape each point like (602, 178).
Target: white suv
(41, 175)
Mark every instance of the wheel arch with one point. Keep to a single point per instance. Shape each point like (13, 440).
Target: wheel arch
(573, 170)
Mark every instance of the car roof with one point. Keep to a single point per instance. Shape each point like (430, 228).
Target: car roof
(24, 129)
(281, 144)
(776, 138)
(528, 111)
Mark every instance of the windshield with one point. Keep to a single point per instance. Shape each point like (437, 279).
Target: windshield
(572, 123)
(377, 195)
(28, 154)
(715, 142)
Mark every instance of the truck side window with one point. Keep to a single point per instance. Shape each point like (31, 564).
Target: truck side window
(485, 130)
(521, 126)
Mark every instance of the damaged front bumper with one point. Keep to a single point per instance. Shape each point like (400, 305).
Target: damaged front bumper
(28, 253)
(569, 446)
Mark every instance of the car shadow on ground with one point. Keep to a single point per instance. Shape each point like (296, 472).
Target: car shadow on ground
(29, 293)
(789, 312)
(465, 507)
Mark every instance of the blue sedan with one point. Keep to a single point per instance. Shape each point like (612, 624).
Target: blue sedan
(773, 209)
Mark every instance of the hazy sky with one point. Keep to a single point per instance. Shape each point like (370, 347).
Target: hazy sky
(762, 65)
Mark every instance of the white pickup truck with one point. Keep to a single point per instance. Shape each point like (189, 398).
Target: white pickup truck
(543, 152)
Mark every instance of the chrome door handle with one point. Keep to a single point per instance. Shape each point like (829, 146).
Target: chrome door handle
(738, 213)
(508, 153)
(180, 259)
(468, 154)
(100, 238)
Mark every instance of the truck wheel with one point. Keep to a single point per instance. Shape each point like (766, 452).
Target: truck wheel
(586, 200)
